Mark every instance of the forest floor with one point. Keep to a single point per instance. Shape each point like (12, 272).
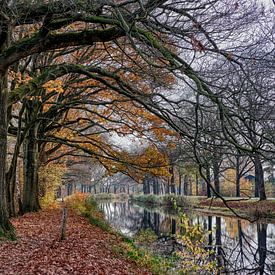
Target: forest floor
(38, 250)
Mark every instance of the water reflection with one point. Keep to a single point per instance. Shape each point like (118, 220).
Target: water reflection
(240, 247)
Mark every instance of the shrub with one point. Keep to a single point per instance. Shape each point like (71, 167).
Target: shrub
(77, 202)
(50, 178)
(195, 259)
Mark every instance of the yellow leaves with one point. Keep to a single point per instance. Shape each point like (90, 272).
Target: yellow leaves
(194, 258)
(50, 178)
(54, 85)
(65, 133)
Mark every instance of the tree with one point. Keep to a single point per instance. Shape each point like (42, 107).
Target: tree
(162, 42)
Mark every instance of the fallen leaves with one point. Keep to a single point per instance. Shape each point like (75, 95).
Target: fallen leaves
(86, 250)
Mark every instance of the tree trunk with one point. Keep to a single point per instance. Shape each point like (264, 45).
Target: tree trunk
(216, 172)
(259, 179)
(155, 186)
(173, 187)
(238, 186)
(190, 193)
(185, 185)
(11, 195)
(208, 177)
(197, 185)
(180, 184)
(30, 190)
(6, 228)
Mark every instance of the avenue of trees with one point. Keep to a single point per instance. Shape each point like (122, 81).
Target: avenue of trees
(193, 79)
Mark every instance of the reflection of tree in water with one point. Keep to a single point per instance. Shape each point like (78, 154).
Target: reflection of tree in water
(240, 247)
(241, 254)
(123, 216)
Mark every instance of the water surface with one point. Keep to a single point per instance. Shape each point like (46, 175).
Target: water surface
(240, 246)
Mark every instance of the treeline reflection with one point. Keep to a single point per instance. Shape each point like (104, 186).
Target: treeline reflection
(240, 247)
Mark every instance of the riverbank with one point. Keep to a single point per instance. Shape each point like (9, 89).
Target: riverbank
(121, 245)
(111, 196)
(88, 249)
(251, 209)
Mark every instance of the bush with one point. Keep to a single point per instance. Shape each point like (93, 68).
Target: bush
(77, 202)
(166, 200)
(50, 178)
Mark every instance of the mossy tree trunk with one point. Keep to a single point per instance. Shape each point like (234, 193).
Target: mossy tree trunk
(31, 163)
(6, 229)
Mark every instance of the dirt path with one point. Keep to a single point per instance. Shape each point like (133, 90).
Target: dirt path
(38, 250)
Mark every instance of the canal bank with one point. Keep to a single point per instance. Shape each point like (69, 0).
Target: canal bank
(251, 209)
(238, 245)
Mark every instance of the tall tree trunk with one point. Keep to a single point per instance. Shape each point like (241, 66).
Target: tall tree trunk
(10, 185)
(180, 184)
(208, 178)
(6, 228)
(30, 190)
(12, 172)
(155, 186)
(197, 185)
(238, 186)
(173, 187)
(190, 193)
(216, 172)
(185, 185)
(259, 178)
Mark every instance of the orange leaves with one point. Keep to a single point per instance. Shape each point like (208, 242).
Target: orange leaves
(54, 85)
(20, 79)
(38, 249)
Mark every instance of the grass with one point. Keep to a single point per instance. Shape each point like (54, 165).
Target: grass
(111, 196)
(167, 200)
(125, 247)
(251, 209)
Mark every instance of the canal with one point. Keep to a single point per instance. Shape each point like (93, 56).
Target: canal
(240, 247)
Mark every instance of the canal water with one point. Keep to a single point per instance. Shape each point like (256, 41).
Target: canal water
(241, 247)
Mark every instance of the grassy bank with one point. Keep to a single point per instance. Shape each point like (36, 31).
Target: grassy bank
(166, 200)
(246, 208)
(120, 245)
(111, 196)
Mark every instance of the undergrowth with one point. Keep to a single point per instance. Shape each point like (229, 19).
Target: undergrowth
(166, 200)
(87, 207)
(194, 259)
